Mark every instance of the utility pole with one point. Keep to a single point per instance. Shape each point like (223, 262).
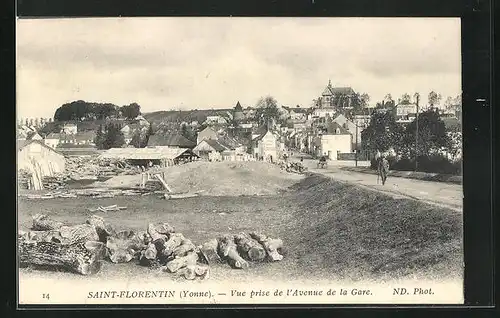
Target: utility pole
(416, 135)
(356, 150)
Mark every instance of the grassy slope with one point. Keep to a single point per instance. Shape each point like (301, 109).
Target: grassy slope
(358, 233)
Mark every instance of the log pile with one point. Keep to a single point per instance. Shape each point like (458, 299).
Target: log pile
(94, 192)
(56, 182)
(81, 248)
(24, 179)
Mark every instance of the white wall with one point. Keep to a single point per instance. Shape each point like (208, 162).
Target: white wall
(52, 142)
(331, 144)
(268, 146)
(40, 159)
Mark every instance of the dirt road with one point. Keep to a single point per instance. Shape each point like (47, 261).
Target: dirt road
(436, 193)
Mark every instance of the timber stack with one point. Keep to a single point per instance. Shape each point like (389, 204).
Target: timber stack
(81, 248)
(23, 179)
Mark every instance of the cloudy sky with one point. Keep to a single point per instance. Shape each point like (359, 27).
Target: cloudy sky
(181, 63)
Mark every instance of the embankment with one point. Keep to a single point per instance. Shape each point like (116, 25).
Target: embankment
(219, 178)
(417, 175)
(355, 233)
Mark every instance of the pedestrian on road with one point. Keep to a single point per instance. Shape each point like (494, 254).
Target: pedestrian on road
(383, 168)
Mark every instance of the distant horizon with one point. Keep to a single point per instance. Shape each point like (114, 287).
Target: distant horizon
(204, 63)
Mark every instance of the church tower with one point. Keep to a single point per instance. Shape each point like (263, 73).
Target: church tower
(238, 112)
(327, 96)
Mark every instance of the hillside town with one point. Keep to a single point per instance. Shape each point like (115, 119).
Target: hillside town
(333, 127)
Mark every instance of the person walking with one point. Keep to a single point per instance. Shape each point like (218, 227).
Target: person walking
(383, 168)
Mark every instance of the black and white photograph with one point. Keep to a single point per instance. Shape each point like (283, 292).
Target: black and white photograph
(238, 160)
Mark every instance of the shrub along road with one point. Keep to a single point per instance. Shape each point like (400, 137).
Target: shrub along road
(436, 193)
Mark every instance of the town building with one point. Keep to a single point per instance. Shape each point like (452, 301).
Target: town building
(70, 129)
(209, 149)
(207, 133)
(174, 140)
(334, 141)
(85, 138)
(52, 139)
(323, 112)
(406, 113)
(336, 97)
(267, 146)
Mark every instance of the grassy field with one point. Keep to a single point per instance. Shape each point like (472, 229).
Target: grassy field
(331, 230)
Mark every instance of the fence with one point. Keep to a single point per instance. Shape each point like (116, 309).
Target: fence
(361, 156)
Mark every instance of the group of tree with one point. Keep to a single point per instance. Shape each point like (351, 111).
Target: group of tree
(109, 136)
(140, 138)
(82, 110)
(267, 111)
(384, 133)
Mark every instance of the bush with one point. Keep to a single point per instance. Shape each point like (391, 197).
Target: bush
(430, 164)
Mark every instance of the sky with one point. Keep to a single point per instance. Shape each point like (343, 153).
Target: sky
(202, 62)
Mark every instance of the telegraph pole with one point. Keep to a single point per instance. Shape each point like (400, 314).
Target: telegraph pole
(416, 135)
(356, 150)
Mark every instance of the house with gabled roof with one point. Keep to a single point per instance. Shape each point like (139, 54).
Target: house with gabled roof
(334, 140)
(267, 145)
(207, 133)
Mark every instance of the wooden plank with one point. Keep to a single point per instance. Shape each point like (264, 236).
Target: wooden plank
(163, 182)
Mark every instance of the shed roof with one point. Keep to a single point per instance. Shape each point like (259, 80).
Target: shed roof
(217, 146)
(156, 153)
(171, 140)
(24, 143)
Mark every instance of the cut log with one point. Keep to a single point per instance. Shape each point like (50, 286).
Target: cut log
(229, 252)
(148, 256)
(185, 247)
(97, 248)
(124, 246)
(188, 272)
(75, 257)
(78, 234)
(178, 263)
(209, 251)
(159, 232)
(144, 238)
(103, 228)
(272, 246)
(150, 251)
(42, 236)
(173, 242)
(249, 248)
(201, 270)
(42, 222)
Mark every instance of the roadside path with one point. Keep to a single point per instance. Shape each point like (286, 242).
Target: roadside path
(435, 193)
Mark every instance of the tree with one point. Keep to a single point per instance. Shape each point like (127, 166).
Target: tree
(448, 103)
(131, 111)
(382, 134)
(405, 99)
(432, 135)
(82, 110)
(99, 137)
(112, 137)
(188, 132)
(137, 140)
(267, 109)
(434, 99)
